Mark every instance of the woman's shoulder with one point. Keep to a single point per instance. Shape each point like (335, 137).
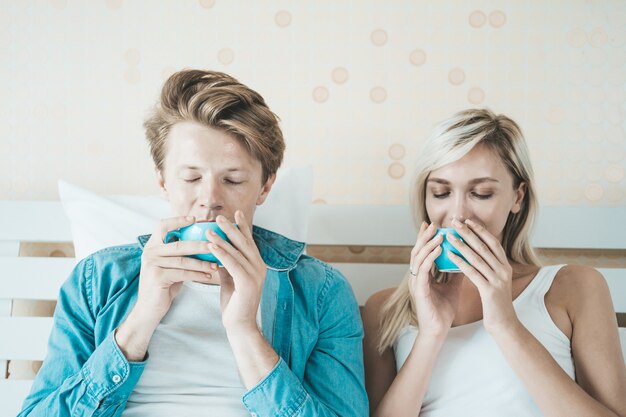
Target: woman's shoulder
(375, 303)
(579, 278)
(379, 298)
(579, 286)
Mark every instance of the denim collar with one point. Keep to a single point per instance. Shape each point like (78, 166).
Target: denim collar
(278, 252)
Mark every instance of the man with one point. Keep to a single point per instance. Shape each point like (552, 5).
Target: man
(146, 330)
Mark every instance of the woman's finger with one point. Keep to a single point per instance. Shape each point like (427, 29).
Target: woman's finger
(423, 273)
(470, 272)
(476, 261)
(479, 247)
(490, 240)
(426, 233)
(421, 256)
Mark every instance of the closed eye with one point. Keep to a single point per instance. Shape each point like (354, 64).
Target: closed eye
(441, 195)
(482, 196)
(191, 179)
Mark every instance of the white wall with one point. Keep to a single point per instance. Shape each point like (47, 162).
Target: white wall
(357, 83)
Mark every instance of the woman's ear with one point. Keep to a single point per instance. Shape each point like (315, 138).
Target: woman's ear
(519, 198)
(265, 190)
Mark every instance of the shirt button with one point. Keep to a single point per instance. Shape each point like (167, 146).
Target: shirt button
(253, 414)
(116, 378)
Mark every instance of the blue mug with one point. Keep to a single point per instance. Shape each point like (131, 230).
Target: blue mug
(197, 231)
(443, 262)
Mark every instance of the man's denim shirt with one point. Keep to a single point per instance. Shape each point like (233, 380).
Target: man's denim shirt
(308, 314)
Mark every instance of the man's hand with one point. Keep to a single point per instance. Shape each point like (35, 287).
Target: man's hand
(242, 285)
(164, 268)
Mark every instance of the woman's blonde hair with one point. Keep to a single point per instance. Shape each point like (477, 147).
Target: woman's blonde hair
(450, 141)
(216, 100)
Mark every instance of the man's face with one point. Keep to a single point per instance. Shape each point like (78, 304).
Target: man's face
(207, 172)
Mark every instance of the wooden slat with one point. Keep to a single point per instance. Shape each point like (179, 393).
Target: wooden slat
(376, 225)
(33, 278)
(597, 258)
(12, 394)
(47, 249)
(33, 308)
(24, 369)
(24, 338)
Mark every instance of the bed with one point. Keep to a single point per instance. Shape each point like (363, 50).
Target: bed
(369, 244)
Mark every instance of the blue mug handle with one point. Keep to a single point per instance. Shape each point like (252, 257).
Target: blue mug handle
(172, 234)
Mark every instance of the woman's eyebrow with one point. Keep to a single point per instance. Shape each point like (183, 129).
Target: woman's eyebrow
(471, 182)
(439, 181)
(481, 180)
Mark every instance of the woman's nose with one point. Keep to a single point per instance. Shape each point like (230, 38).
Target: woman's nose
(459, 210)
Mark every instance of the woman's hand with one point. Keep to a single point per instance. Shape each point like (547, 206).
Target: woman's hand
(436, 303)
(243, 274)
(489, 270)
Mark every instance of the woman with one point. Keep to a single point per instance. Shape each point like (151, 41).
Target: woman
(506, 337)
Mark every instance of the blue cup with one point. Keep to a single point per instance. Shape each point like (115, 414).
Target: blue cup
(197, 231)
(443, 262)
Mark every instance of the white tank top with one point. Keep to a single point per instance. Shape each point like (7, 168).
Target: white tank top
(191, 369)
(471, 377)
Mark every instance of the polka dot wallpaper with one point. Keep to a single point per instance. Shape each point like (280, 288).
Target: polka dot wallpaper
(358, 84)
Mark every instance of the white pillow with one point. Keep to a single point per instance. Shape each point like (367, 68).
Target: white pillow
(100, 221)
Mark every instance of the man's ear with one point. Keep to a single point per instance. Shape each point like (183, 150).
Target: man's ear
(161, 182)
(519, 198)
(265, 190)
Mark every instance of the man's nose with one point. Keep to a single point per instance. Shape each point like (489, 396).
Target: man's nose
(210, 196)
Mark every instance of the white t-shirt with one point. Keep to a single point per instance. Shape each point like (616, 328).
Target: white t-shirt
(471, 377)
(191, 369)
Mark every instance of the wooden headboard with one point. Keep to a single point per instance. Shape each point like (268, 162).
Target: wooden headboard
(369, 244)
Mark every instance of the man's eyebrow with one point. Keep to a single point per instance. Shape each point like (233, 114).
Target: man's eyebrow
(195, 168)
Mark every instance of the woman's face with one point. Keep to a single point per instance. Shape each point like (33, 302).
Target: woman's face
(207, 172)
(477, 186)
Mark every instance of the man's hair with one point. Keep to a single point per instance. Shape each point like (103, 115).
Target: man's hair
(219, 101)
